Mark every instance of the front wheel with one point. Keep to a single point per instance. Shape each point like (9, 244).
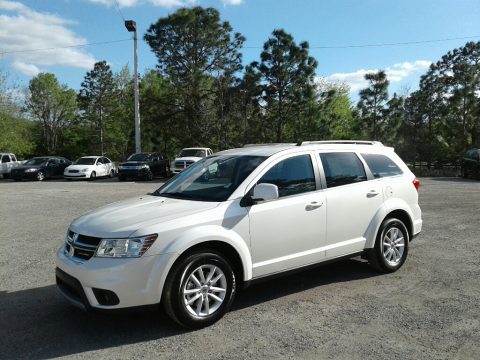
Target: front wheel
(199, 290)
(391, 246)
(93, 176)
(40, 176)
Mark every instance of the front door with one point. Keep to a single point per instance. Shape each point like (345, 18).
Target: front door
(287, 233)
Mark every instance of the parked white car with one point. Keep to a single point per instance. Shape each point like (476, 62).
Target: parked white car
(187, 157)
(90, 167)
(7, 162)
(239, 216)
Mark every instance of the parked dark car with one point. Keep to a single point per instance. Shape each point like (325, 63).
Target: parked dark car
(471, 164)
(41, 168)
(144, 166)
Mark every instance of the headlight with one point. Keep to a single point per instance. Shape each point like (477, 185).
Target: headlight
(140, 167)
(133, 247)
(31, 170)
(85, 170)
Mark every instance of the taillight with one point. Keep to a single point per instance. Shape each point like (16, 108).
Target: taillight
(416, 183)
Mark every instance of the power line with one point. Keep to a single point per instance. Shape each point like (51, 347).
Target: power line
(120, 11)
(381, 44)
(65, 47)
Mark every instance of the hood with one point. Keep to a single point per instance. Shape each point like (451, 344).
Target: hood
(133, 163)
(25, 167)
(78, 167)
(123, 218)
(189, 158)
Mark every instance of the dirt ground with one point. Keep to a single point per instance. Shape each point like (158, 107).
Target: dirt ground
(430, 309)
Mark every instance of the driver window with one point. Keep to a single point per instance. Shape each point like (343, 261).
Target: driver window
(292, 176)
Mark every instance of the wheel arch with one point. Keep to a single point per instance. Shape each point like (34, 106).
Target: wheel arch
(393, 210)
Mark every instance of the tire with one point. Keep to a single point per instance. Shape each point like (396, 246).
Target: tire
(41, 176)
(149, 176)
(464, 173)
(93, 176)
(382, 258)
(199, 313)
(112, 174)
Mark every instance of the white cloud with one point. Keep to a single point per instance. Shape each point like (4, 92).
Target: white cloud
(161, 3)
(396, 73)
(27, 69)
(25, 29)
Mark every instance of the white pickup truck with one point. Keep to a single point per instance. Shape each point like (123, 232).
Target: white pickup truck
(187, 157)
(7, 162)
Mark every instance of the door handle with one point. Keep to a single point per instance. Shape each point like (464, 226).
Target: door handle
(372, 193)
(313, 205)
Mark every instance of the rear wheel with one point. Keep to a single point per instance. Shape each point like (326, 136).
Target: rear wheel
(199, 290)
(112, 173)
(391, 246)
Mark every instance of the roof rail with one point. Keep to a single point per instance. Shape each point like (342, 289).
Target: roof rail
(353, 142)
(270, 144)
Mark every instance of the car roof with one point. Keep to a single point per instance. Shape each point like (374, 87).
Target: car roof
(336, 145)
(91, 156)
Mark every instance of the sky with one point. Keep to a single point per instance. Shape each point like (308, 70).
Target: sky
(337, 31)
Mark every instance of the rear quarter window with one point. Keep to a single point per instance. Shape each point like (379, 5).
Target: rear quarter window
(381, 165)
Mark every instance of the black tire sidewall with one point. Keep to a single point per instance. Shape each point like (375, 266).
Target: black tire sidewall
(386, 225)
(180, 276)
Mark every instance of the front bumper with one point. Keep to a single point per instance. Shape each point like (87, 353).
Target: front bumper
(76, 176)
(23, 175)
(135, 281)
(133, 173)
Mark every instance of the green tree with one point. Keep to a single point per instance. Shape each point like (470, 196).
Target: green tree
(198, 54)
(98, 101)
(287, 75)
(372, 103)
(53, 105)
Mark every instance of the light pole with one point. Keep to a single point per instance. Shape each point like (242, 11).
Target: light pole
(132, 27)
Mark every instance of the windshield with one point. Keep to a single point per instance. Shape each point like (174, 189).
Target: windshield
(85, 161)
(139, 157)
(192, 153)
(36, 161)
(211, 179)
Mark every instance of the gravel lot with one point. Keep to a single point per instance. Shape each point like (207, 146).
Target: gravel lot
(430, 309)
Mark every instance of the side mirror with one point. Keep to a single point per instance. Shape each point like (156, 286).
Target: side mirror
(265, 192)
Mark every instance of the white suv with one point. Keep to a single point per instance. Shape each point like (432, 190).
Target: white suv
(237, 216)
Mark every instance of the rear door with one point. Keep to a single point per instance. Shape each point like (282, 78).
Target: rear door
(352, 201)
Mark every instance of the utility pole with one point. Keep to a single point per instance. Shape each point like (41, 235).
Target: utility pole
(132, 27)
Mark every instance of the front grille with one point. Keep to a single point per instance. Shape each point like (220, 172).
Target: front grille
(73, 171)
(183, 164)
(81, 246)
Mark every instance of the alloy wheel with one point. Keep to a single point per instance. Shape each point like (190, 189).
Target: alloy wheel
(393, 245)
(205, 290)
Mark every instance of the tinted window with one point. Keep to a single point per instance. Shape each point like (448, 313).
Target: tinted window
(105, 160)
(36, 161)
(5, 158)
(139, 157)
(292, 176)
(342, 168)
(381, 165)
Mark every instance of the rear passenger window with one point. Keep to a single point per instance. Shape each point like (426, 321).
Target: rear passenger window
(342, 168)
(292, 176)
(381, 165)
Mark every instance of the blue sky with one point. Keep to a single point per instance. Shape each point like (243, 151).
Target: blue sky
(41, 24)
